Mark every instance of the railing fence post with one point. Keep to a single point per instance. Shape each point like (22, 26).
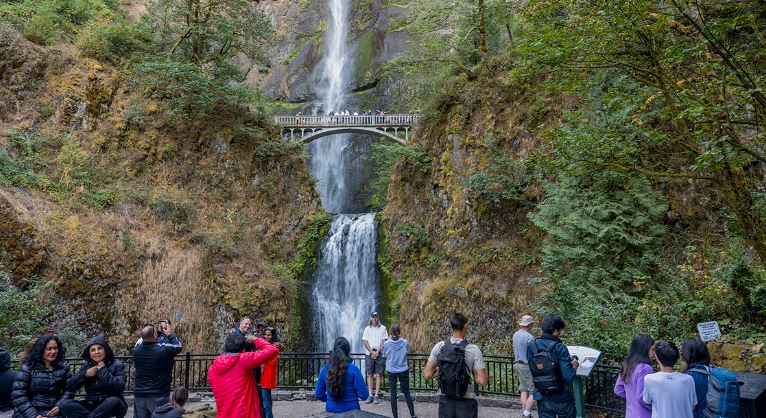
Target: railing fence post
(186, 370)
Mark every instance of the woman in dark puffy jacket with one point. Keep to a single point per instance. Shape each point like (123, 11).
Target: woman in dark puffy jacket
(40, 383)
(104, 379)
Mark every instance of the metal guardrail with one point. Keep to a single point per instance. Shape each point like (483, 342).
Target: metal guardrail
(393, 120)
(299, 371)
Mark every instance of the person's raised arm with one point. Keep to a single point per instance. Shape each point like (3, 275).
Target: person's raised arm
(172, 345)
(264, 353)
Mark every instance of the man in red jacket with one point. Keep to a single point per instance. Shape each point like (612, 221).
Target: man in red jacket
(231, 377)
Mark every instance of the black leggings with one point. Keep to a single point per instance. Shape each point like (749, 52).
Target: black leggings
(403, 378)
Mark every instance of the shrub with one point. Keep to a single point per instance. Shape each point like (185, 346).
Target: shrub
(185, 91)
(22, 316)
(110, 41)
(43, 28)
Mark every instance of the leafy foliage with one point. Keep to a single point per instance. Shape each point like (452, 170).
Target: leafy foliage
(503, 181)
(47, 21)
(601, 251)
(187, 93)
(22, 316)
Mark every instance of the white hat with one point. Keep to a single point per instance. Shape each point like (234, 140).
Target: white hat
(526, 320)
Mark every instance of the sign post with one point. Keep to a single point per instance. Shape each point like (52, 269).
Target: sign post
(588, 358)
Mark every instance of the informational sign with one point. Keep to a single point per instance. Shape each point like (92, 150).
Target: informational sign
(588, 357)
(709, 331)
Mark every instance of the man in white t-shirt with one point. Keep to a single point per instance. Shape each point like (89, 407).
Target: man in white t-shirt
(373, 338)
(670, 393)
(467, 407)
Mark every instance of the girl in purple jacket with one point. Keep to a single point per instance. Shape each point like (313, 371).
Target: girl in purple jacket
(630, 384)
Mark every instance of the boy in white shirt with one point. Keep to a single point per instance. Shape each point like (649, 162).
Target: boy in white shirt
(670, 393)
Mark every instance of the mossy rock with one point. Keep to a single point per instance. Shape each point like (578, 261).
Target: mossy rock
(22, 251)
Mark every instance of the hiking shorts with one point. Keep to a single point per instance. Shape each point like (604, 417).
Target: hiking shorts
(525, 378)
(374, 366)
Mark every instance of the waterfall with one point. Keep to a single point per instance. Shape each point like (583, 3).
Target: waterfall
(345, 285)
(345, 290)
(328, 163)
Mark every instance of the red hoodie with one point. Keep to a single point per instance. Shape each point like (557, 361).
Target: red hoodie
(233, 384)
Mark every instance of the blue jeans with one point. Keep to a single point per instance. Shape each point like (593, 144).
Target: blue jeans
(266, 402)
(552, 409)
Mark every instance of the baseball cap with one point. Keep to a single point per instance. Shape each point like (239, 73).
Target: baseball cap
(374, 313)
(526, 320)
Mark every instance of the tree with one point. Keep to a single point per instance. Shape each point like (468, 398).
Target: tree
(698, 71)
(208, 33)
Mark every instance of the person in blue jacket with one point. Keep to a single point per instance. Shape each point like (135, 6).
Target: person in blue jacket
(559, 403)
(697, 357)
(340, 382)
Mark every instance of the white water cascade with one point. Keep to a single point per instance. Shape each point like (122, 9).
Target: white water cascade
(345, 281)
(328, 164)
(345, 288)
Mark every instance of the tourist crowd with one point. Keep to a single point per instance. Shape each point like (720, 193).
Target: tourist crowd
(243, 377)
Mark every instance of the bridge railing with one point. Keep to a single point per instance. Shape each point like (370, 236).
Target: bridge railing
(299, 371)
(393, 120)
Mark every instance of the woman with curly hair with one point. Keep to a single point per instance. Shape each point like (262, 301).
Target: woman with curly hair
(340, 382)
(40, 383)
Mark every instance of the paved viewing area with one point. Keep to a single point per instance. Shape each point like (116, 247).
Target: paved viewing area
(301, 409)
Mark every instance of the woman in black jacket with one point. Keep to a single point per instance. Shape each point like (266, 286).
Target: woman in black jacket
(104, 379)
(40, 383)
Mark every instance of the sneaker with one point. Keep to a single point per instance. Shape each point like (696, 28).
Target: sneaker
(369, 400)
(377, 400)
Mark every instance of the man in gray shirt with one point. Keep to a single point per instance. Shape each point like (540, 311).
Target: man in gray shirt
(467, 407)
(521, 340)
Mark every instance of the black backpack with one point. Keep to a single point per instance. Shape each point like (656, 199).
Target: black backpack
(546, 374)
(454, 376)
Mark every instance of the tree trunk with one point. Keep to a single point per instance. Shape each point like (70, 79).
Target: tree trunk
(483, 28)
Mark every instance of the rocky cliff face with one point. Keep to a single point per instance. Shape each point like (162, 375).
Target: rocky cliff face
(300, 27)
(127, 223)
(451, 246)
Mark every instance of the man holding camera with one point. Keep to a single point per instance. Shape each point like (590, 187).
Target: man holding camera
(153, 362)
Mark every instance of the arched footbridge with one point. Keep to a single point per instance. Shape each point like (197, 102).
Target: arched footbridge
(394, 127)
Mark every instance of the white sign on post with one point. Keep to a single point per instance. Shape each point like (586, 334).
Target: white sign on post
(709, 331)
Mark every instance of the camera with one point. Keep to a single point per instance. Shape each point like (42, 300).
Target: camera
(163, 325)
